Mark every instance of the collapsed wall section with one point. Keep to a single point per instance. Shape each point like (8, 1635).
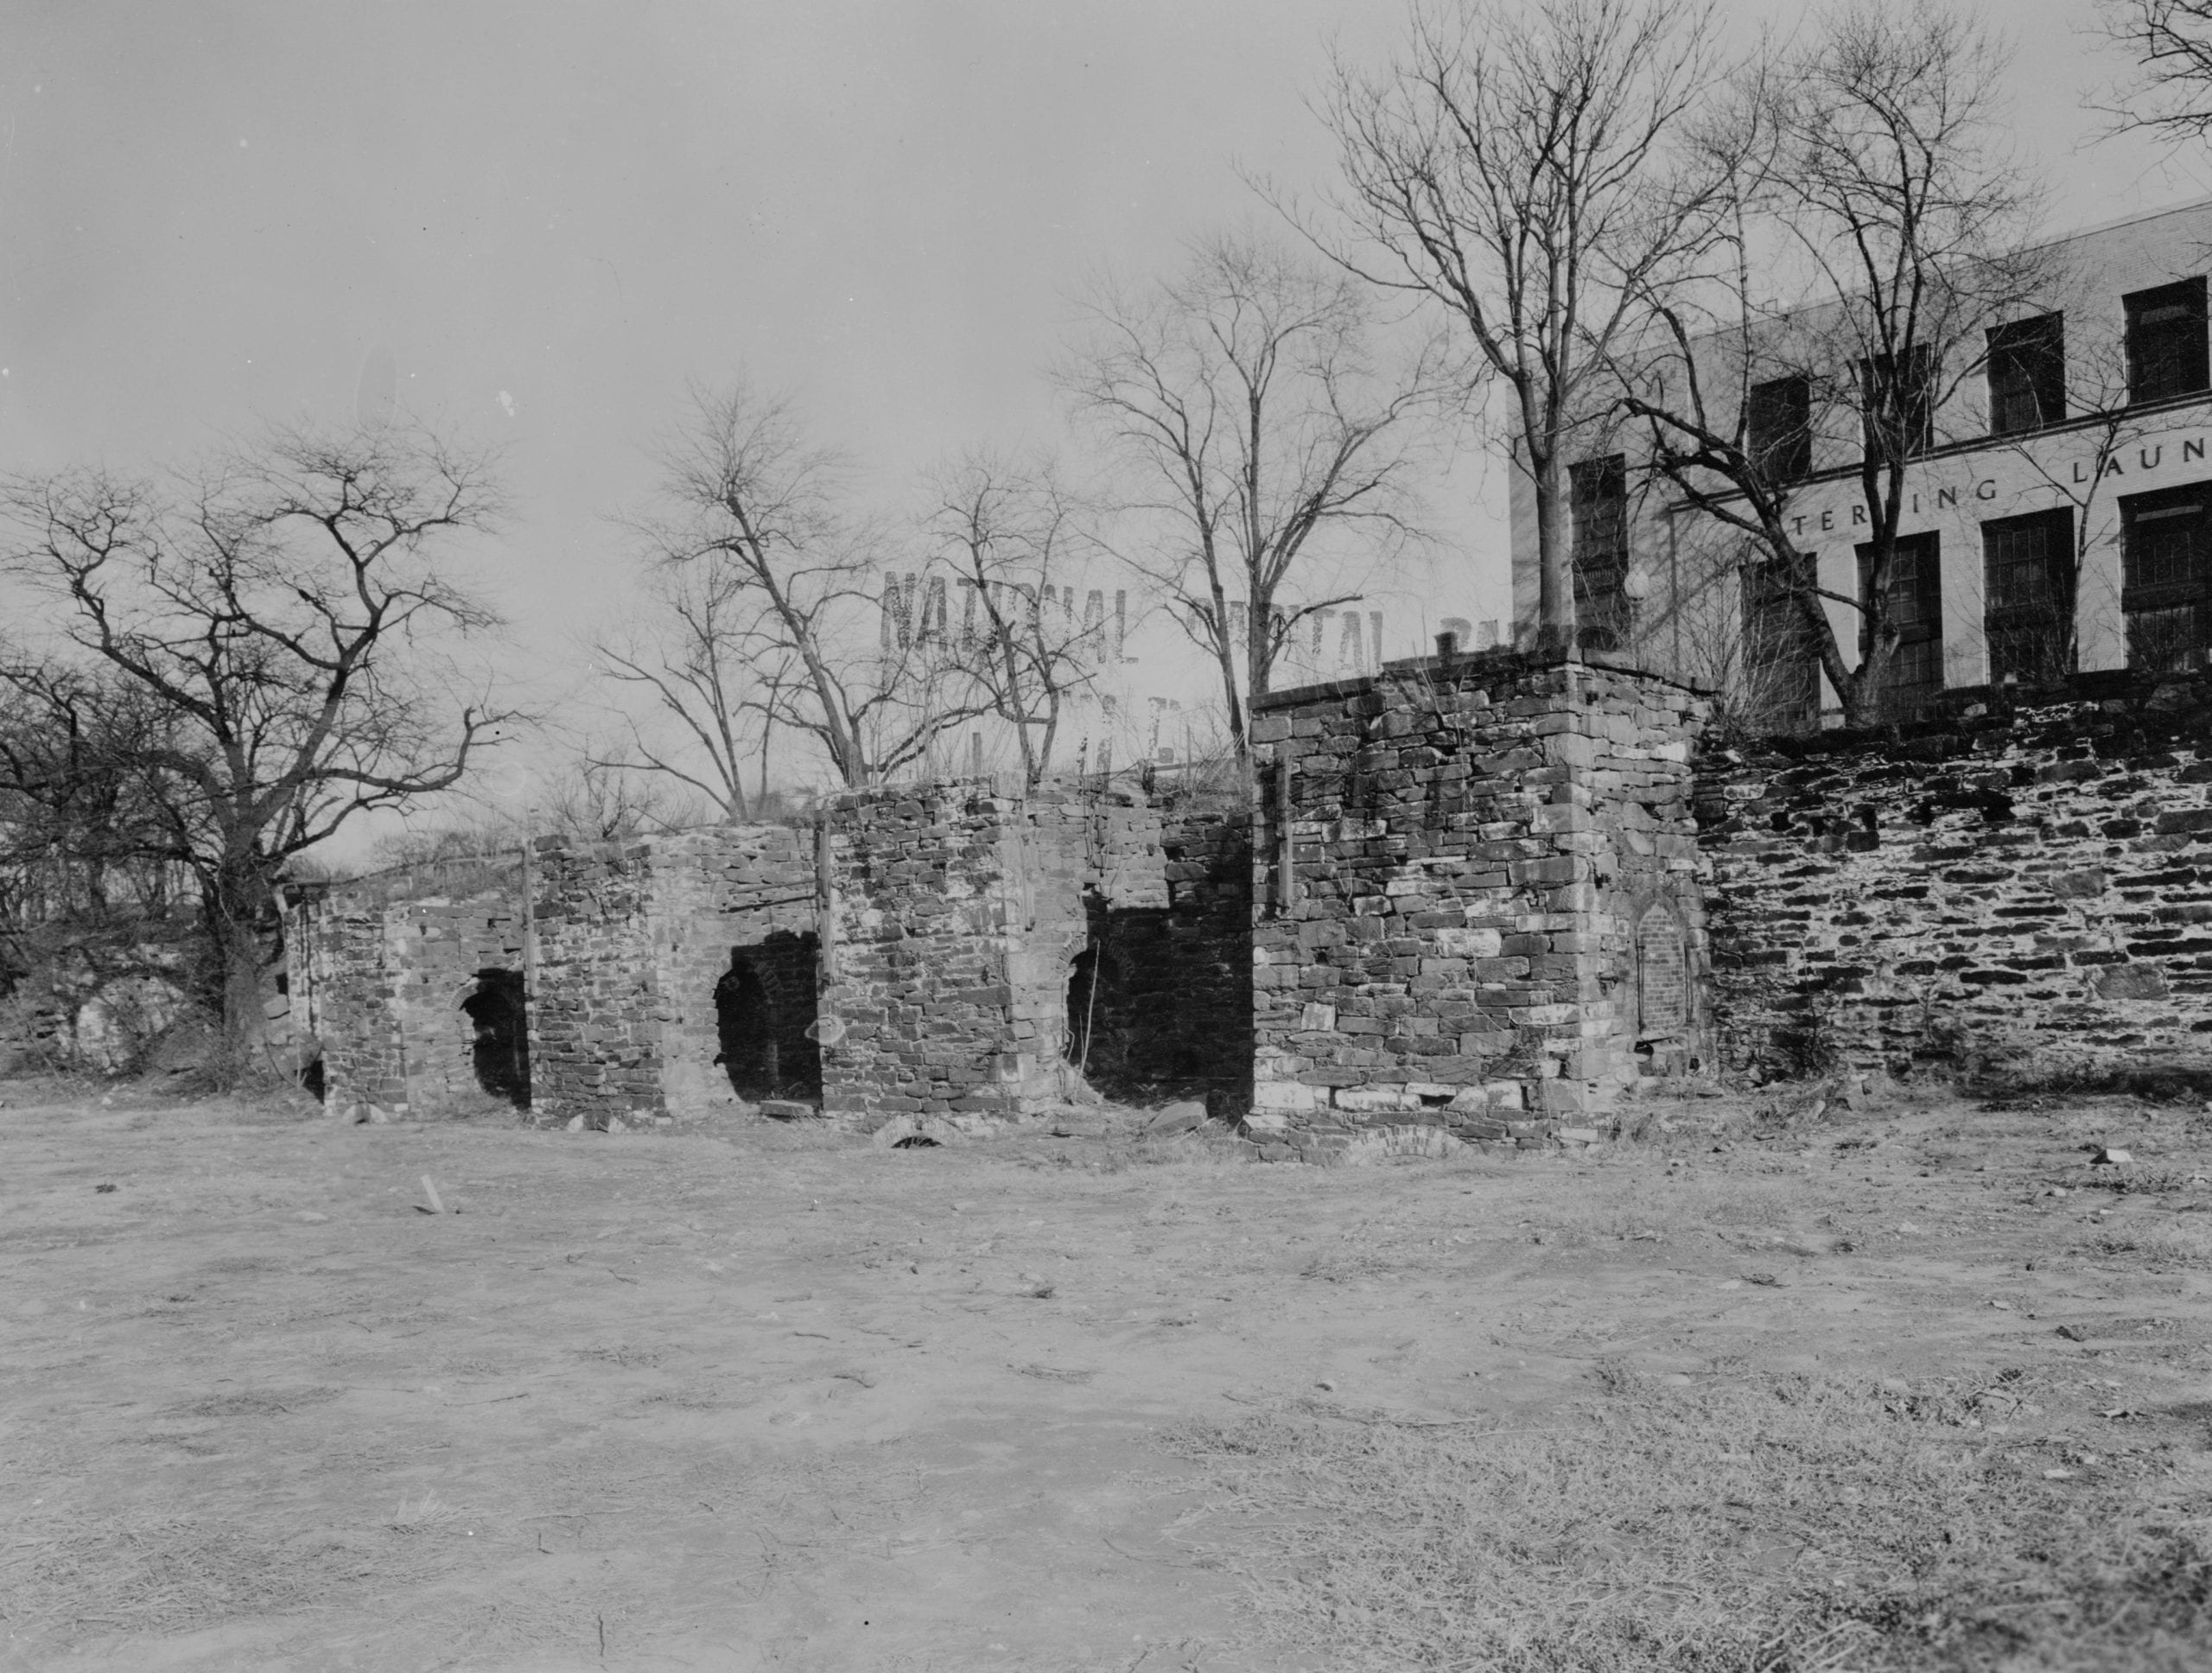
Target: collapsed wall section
(2030, 891)
(1476, 898)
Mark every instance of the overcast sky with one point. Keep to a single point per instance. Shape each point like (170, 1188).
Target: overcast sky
(550, 216)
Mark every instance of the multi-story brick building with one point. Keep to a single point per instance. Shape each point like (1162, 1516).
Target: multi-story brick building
(2056, 512)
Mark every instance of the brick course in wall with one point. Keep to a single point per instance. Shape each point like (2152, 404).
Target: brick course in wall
(2032, 891)
(1473, 876)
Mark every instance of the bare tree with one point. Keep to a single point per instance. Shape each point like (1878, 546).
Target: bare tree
(277, 612)
(1873, 182)
(795, 576)
(1248, 400)
(1009, 532)
(2171, 94)
(1514, 165)
(681, 652)
(83, 890)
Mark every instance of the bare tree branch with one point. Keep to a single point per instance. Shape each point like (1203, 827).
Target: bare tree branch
(1877, 226)
(1010, 533)
(2171, 92)
(1516, 167)
(1262, 437)
(278, 611)
(788, 584)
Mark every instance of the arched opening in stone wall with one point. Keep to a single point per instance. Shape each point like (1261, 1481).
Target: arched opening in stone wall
(764, 1006)
(499, 1054)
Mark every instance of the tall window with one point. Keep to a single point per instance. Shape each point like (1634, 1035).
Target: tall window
(1900, 402)
(1781, 669)
(1598, 496)
(1915, 602)
(2165, 566)
(1778, 429)
(2028, 596)
(2027, 374)
(2165, 341)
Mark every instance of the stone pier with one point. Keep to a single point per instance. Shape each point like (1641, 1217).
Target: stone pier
(1476, 906)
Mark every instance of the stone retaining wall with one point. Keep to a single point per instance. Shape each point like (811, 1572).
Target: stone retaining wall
(2031, 892)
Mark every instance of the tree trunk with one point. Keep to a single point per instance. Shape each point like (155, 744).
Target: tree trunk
(1555, 561)
(1859, 691)
(238, 929)
(1238, 739)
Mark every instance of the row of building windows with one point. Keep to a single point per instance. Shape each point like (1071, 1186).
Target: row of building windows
(2028, 596)
(2167, 358)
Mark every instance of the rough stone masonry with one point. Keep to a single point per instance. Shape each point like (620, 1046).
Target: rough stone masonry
(989, 942)
(964, 949)
(1477, 905)
(407, 987)
(1476, 898)
(2028, 891)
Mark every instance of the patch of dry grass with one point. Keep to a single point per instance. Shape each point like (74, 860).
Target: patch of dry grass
(171, 1573)
(1774, 1526)
(2160, 1246)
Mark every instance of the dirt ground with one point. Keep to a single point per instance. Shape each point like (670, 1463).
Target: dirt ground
(764, 1397)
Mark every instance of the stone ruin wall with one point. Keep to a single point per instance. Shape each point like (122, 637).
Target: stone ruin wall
(382, 981)
(2030, 892)
(1476, 899)
(1500, 913)
(955, 918)
(632, 939)
(919, 1003)
(961, 911)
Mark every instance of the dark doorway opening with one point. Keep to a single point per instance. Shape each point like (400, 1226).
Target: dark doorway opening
(1154, 1007)
(500, 1054)
(764, 1007)
(744, 1025)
